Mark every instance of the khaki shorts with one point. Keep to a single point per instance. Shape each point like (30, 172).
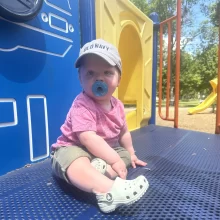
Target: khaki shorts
(62, 157)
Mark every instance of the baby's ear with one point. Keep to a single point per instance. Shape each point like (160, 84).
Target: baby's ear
(79, 76)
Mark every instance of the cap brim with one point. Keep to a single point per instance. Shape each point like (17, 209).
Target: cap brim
(103, 56)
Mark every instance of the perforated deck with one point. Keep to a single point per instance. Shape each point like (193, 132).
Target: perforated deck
(184, 183)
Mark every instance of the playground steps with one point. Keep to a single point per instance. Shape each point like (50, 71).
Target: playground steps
(183, 171)
(130, 109)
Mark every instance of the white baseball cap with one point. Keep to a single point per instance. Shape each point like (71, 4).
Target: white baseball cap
(102, 49)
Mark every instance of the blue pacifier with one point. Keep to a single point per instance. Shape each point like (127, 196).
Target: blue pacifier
(99, 88)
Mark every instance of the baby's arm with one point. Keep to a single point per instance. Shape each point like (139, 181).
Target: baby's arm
(125, 141)
(97, 146)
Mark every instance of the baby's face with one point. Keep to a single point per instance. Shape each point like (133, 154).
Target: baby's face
(95, 68)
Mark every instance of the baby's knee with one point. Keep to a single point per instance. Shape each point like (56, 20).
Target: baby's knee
(68, 159)
(77, 166)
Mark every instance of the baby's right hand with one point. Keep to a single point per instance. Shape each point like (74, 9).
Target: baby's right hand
(120, 168)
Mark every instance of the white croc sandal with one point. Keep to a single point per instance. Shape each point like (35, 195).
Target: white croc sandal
(99, 164)
(123, 192)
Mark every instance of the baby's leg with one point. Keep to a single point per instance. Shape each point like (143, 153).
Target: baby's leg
(85, 177)
(125, 156)
(110, 173)
(72, 163)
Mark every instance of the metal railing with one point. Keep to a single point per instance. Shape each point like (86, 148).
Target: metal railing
(177, 74)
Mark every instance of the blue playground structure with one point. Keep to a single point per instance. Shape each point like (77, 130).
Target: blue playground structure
(38, 83)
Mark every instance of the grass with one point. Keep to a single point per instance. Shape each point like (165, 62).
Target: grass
(192, 103)
(184, 104)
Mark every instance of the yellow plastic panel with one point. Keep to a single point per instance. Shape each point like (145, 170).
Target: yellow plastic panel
(122, 24)
(214, 83)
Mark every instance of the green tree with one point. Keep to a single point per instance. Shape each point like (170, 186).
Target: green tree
(205, 66)
(197, 68)
(209, 27)
(167, 9)
(212, 11)
(188, 80)
(215, 16)
(142, 5)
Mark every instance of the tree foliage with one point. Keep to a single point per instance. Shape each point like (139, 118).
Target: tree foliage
(198, 70)
(197, 67)
(167, 9)
(209, 27)
(212, 11)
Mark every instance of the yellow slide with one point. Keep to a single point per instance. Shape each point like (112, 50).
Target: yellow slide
(208, 101)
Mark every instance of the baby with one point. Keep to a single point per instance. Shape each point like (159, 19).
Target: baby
(95, 148)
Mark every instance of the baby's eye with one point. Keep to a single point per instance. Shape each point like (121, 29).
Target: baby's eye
(108, 73)
(90, 73)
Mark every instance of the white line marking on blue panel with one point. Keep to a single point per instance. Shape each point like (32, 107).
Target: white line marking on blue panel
(36, 50)
(51, 16)
(69, 4)
(40, 30)
(30, 127)
(57, 8)
(15, 122)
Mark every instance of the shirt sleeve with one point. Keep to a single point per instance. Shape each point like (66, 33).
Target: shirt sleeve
(82, 119)
(124, 127)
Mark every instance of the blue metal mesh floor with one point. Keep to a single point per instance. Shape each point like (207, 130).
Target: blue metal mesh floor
(184, 179)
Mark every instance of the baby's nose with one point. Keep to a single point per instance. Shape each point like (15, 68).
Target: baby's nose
(99, 77)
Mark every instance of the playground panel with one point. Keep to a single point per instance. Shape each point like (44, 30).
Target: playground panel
(121, 23)
(183, 173)
(37, 81)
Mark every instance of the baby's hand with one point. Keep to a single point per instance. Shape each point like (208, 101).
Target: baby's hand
(135, 161)
(120, 168)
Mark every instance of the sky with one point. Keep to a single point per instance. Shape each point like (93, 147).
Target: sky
(199, 18)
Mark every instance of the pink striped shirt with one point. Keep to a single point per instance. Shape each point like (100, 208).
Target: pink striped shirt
(87, 115)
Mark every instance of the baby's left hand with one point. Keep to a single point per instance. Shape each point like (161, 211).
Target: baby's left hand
(135, 161)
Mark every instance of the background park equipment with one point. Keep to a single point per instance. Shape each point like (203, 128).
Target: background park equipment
(211, 99)
(43, 54)
(122, 24)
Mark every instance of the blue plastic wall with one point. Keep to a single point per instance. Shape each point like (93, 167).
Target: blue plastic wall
(38, 81)
(87, 20)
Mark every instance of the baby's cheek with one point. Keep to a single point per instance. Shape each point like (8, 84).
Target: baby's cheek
(88, 86)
